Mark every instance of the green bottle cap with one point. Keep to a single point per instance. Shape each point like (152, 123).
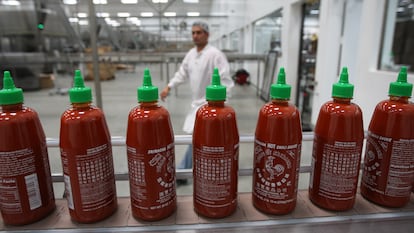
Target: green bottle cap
(10, 94)
(147, 92)
(401, 87)
(343, 89)
(215, 91)
(280, 90)
(79, 93)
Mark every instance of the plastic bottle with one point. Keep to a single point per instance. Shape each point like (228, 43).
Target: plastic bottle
(26, 191)
(86, 153)
(277, 148)
(151, 159)
(388, 172)
(215, 154)
(337, 148)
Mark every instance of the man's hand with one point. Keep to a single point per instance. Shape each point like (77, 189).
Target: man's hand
(164, 93)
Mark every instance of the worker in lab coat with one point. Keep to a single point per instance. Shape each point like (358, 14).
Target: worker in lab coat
(197, 68)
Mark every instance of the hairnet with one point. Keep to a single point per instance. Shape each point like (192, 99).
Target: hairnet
(203, 25)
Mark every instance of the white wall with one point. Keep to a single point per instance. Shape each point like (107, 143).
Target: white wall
(372, 84)
(327, 60)
(361, 43)
(350, 35)
(291, 31)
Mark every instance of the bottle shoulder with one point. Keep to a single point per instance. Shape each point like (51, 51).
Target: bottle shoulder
(333, 107)
(23, 112)
(82, 113)
(212, 111)
(141, 111)
(393, 106)
(272, 108)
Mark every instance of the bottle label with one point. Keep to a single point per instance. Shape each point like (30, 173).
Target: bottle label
(18, 169)
(95, 177)
(336, 169)
(214, 175)
(276, 172)
(153, 170)
(68, 192)
(389, 165)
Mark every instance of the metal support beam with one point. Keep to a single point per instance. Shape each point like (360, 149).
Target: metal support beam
(95, 64)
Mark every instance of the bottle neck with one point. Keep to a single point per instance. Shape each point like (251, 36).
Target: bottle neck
(217, 103)
(12, 107)
(342, 100)
(148, 104)
(81, 105)
(280, 101)
(402, 99)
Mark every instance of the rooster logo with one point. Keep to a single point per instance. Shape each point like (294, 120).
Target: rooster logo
(273, 170)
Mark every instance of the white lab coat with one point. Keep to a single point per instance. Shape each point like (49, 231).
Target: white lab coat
(197, 68)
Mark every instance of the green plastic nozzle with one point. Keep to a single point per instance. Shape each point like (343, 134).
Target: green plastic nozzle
(343, 89)
(79, 93)
(10, 94)
(401, 87)
(215, 91)
(147, 92)
(280, 90)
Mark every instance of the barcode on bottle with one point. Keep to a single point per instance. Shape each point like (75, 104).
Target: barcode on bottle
(33, 192)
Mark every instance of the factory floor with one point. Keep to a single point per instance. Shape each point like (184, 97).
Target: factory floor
(119, 97)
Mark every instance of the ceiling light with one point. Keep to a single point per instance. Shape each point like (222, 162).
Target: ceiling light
(123, 14)
(129, 1)
(160, 1)
(170, 14)
(102, 14)
(70, 2)
(193, 13)
(134, 20)
(100, 2)
(10, 3)
(82, 15)
(314, 12)
(83, 22)
(190, 1)
(147, 14)
(73, 20)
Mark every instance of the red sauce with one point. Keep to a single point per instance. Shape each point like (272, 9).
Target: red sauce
(276, 162)
(336, 155)
(24, 167)
(86, 152)
(215, 156)
(151, 163)
(389, 158)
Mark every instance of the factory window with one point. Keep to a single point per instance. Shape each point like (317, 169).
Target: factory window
(398, 39)
(267, 33)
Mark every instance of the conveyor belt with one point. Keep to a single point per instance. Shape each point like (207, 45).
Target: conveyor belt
(364, 217)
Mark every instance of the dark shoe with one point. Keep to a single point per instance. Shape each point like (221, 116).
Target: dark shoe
(182, 182)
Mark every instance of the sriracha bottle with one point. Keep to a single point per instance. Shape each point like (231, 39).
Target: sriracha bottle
(337, 148)
(86, 153)
(26, 191)
(277, 148)
(388, 172)
(215, 154)
(151, 159)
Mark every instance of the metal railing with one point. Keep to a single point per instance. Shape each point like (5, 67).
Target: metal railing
(178, 140)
